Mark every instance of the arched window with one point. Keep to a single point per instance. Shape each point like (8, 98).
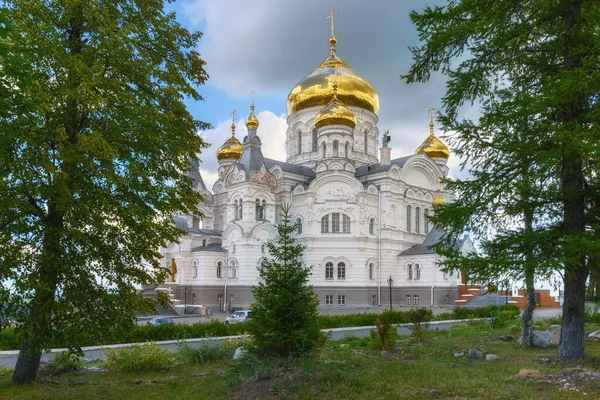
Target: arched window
(236, 210)
(219, 270)
(418, 219)
(335, 148)
(372, 226)
(299, 142)
(347, 150)
(366, 141)
(409, 272)
(260, 209)
(233, 249)
(346, 224)
(325, 224)
(371, 271)
(329, 270)
(298, 226)
(408, 218)
(196, 222)
(262, 248)
(324, 150)
(314, 140)
(341, 271)
(195, 268)
(335, 222)
(426, 220)
(203, 242)
(417, 272)
(234, 271)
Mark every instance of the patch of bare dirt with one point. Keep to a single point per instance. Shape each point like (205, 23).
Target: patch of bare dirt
(269, 388)
(579, 380)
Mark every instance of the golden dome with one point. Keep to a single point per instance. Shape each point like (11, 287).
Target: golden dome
(335, 113)
(252, 121)
(232, 148)
(438, 200)
(315, 89)
(432, 146)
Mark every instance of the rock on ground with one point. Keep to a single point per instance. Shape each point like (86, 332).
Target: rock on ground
(541, 339)
(555, 331)
(491, 357)
(594, 335)
(475, 353)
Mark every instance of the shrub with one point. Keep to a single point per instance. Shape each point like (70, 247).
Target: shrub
(383, 334)
(208, 351)
(147, 357)
(420, 322)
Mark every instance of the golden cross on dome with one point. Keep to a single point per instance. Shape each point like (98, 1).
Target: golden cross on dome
(431, 110)
(252, 93)
(331, 15)
(233, 115)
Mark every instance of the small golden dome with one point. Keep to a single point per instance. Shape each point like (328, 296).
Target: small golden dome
(232, 148)
(432, 146)
(252, 121)
(315, 89)
(335, 113)
(438, 200)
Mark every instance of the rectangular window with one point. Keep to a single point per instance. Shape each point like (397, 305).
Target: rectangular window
(416, 300)
(329, 271)
(325, 224)
(220, 300)
(408, 299)
(329, 299)
(447, 299)
(374, 300)
(341, 299)
(335, 222)
(346, 227)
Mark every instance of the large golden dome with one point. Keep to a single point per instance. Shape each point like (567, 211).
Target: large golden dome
(315, 89)
(232, 148)
(335, 113)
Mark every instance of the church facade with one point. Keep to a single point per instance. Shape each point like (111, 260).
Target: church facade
(362, 215)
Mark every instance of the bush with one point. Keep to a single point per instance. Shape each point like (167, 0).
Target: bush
(383, 334)
(208, 351)
(148, 357)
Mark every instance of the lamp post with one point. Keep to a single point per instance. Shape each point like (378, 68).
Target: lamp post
(185, 290)
(390, 284)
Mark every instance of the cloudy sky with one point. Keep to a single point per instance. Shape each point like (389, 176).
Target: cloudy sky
(269, 45)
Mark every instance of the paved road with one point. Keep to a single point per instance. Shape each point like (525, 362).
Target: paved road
(540, 313)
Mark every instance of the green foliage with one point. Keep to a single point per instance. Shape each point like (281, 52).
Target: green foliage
(205, 352)
(62, 363)
(531, 197)
(94, 155)
(148, 357)
(284, 313)
(592, 314)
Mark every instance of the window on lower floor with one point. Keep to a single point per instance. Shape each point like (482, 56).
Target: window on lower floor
(416, 300)
(374, 300)
(220, 300)
(447, 299)
(329, 299)
(341, 271)
(341, 300)
(329, 270)
(408, 299)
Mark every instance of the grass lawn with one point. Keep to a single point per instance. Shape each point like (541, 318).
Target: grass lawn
(351, 369)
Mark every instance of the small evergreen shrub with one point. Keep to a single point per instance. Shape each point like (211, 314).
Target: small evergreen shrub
(383, 334)
(147, 357)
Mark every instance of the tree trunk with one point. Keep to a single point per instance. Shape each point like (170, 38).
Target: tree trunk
(527, 319)
(28, 364)
(572, 336)
(572, 345)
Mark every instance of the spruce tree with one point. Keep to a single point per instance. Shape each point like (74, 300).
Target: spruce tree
(284, 313)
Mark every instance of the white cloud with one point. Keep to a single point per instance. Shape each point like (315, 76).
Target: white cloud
(271, 132)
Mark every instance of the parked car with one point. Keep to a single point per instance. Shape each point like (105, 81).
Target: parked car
(161, 321)
(238, 316)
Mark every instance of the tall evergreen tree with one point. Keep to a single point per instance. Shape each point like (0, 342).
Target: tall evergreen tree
(545, 55)
(284, 313)
(93, 169)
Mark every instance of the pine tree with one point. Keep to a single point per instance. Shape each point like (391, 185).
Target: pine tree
(93, 159)
(284, 313)
(533, 61)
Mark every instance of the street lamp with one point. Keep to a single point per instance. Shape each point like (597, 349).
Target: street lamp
(390, 284)
(185, 290)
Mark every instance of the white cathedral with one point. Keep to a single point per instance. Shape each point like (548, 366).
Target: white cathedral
(362, 215)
